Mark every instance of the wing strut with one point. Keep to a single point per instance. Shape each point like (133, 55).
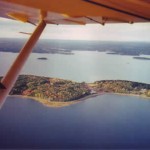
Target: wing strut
(10, 78)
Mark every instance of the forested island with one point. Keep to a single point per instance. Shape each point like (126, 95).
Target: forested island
(51, 90)
(48, 90)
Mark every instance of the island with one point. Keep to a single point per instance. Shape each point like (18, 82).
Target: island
(142, 58)
(50, 91)
(112, 53)
(42, 58)
(59, 92)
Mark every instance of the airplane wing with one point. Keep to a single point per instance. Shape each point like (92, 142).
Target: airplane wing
(80, 12)
(77, 11)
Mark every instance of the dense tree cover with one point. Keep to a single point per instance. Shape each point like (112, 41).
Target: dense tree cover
(120, 86)
(51, 89)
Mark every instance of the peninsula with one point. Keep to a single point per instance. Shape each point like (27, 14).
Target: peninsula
(60, 92)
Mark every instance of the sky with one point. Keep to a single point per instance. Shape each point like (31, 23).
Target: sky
(109, 32)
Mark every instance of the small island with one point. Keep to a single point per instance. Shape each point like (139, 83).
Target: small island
(59, 92)
(42, 58)
(142, 58)
(112, 53)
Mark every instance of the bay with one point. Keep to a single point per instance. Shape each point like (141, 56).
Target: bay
(107, 121)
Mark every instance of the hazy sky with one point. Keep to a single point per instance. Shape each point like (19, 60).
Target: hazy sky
(109, 32)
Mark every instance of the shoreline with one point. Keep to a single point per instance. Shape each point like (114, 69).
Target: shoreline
(124, 94)
(56, 104)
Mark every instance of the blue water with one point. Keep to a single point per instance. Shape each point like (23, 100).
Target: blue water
(85, 66)
(106, 121)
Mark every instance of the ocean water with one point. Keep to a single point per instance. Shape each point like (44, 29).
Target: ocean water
(106, 121)
(83, 66)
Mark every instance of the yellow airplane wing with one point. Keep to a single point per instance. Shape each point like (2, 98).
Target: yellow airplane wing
(77, 11)
(80, 12)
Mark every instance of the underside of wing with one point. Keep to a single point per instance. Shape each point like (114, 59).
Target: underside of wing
(77, 11)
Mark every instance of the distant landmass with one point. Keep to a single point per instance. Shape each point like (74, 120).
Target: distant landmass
(48, 90)
(67, 47)
(142, 58)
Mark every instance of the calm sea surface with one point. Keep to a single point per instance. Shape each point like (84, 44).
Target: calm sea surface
(106, 121)
(85, 66)
(101, 122)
